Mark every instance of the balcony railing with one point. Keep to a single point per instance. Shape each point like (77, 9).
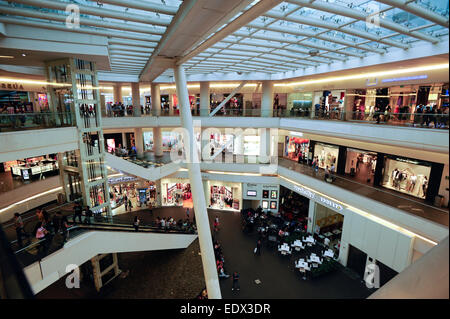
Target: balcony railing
(420, 120)
(35, 121)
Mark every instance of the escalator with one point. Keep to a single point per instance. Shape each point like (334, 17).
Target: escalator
(46, 261)
(144, 169)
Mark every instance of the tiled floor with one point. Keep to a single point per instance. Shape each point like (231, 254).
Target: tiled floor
(179, 274)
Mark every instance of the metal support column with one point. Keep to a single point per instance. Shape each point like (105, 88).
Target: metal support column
(195, 178)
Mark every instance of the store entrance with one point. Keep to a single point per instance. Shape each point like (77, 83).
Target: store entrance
(328, 227)
(357, 260)
(361, 165)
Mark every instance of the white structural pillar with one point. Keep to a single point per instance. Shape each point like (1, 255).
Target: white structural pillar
(264, 144)
(124, 140)
(156, 99)
(204, 98)
(205, 141)
(136, 98)
(117, 93)
(195, 178)
(267, 99)
(311, 216)
(139, 140)
(157, 141)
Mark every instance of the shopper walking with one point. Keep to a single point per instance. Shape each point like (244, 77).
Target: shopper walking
(136, 223)
(87, 215)
(77, 212)
(18, 224)
(258, 247)
(236, 281)
(216, 224)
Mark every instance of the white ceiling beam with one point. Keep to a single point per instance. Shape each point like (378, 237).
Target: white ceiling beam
(418, 10)
(130, 53)
(143, 44)
(251, 14)
(83, 21)
(360, 16)
(85, 30)
(334, 26)
(317, 35)
(99, 12)
(129, 48)
(295, 41)
(142, 5)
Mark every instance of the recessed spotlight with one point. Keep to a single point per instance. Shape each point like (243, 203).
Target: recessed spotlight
(23, 54)
(6, 57)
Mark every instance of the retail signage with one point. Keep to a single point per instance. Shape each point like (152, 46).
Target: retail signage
(405, 78)
(123, 179)
(12, 86)
(318, 198)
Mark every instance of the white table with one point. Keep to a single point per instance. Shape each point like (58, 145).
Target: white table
(309, 239)
(336, 232)
(328, 234)
(298, 245)
(284, 249)
(315, 259)
(328, 253)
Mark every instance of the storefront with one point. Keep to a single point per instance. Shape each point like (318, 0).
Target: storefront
(267, 196)
(169, 139)
(142, 193)
(223, 195)
(293, 206)
(22, 98)
(300, 103)
(328, 226)
(296, 148)
(251, 145)
(176, 192)
(33, 168)
(327, 155)
(361, 165)
(407, 176)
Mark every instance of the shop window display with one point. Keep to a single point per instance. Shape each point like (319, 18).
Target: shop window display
(361, 165)
(327, 155)
(297, 149)
(222, 197)
(178, 194)
(406, 176)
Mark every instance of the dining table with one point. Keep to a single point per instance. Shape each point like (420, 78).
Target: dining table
(328, 253)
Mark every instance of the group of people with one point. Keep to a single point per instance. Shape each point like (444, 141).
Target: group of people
(426, 114)
(170, 223)
(118, 109)
(45, 229)
(79, 211)
(220, 260)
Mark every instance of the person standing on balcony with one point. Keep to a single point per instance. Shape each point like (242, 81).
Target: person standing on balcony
(77, 212)
(18, 224)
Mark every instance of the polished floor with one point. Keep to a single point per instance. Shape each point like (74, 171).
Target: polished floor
(178, 273)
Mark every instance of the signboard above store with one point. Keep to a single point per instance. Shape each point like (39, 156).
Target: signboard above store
(318, 198)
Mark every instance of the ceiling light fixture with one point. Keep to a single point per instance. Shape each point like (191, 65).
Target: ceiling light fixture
(6, 57)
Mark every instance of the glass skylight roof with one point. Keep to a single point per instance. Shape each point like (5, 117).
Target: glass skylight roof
(293, 35)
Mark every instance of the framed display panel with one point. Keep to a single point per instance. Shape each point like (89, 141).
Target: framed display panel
(265, 204)
(265, 194)
(273, 194)
(252, 193)
(273, 205)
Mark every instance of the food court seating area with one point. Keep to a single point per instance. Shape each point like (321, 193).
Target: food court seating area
(289, 237)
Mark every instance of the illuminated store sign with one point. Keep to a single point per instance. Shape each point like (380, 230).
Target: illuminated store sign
(405, 78)
(318, 198)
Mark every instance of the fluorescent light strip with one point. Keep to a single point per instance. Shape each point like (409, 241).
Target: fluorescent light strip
(368, 215)
(368, 75)
(31, 198)
(33, 82)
